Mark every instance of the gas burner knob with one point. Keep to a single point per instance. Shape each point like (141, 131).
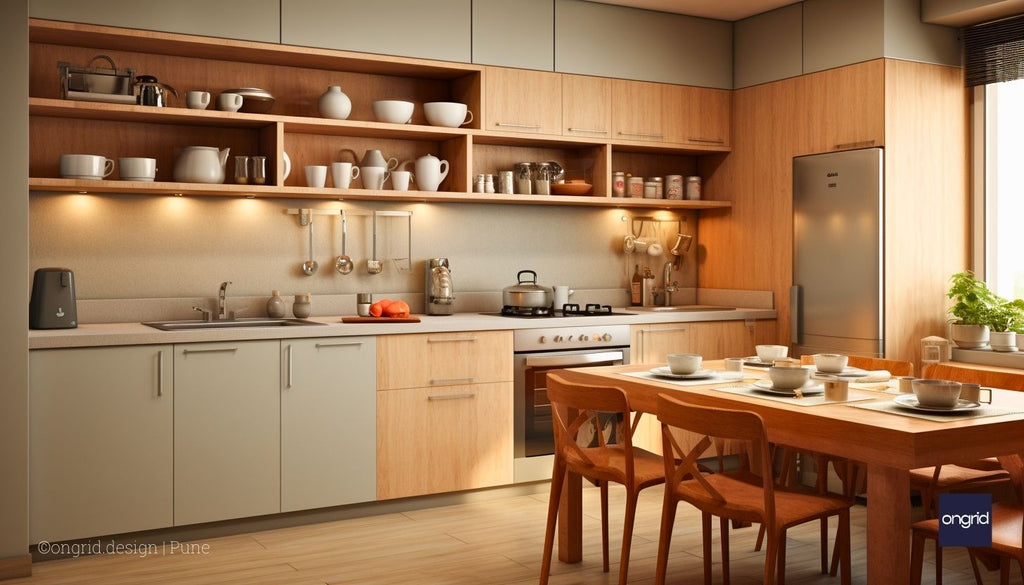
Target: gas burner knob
(558, 339)
(584, 339)
(569, 339)
(606, 337)
(543, 339)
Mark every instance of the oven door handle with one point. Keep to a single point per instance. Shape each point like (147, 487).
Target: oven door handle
(552, 361)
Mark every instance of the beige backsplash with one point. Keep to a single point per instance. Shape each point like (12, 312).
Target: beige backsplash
(176, 250)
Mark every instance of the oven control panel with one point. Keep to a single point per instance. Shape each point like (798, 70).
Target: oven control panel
(555, 338)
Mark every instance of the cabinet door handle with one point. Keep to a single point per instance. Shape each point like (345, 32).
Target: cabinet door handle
(523, 126)
(587, 131)
(449, 381)
(706, 140)
(211, 350)
(160, 373)
(288, 383)
(676, 330)
(451, 396)
(860, 144)
(452, 340)
(345, 344)
(642, 135)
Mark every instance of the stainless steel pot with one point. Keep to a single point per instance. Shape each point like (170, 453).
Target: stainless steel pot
(527, 293)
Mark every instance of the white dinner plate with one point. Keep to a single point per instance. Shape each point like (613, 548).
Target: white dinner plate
(910, 401)
(848, 372)
(756, 362)
(666, 372)
(811, 388)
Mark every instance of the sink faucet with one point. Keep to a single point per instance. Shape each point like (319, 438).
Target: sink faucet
(670, 285)
(222, 298)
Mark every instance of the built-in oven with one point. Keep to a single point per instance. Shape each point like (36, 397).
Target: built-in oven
(538, 351)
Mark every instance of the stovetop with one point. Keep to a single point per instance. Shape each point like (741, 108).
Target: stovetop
(567, 310)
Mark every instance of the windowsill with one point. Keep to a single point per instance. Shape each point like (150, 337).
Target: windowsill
(988, 357)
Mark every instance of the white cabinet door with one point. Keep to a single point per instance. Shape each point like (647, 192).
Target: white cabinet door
(101, 441)
(254, 20)
(226, 431)
(328, 422)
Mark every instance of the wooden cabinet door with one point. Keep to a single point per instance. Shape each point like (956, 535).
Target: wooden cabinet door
(443, 359)
(328, 422)
(845, 108)
(227, 440)
(434, 440)
(637, 111)
(651, 343)
(101, 441)
(586, 106)
(520, 100)
(695, 116)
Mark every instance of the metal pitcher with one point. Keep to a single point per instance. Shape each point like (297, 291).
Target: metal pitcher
(150, 92)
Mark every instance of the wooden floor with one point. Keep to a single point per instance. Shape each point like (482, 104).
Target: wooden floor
(497, 541)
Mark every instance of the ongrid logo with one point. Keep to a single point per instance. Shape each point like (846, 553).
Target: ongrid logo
(965, 519)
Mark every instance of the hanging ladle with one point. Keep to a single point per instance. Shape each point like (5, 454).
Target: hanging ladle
(310, 266)
(374, 266)
(343, 264)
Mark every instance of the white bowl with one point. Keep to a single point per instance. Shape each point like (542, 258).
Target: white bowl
(393, 111)
(937, 393)
(684, 363)
(450, 114)
(788, 378)
(770, 353)
(832, 363)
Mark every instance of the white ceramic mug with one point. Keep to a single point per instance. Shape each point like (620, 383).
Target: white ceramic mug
(342, 174)
(562, 293)
(85, 166)
(137, 168)
(400, 180)
(229, 102)
(374, 177)
(734, 364)
(197, 100)
(316, 175)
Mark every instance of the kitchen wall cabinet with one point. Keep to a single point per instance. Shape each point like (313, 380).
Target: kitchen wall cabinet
(101, 444)
(514, 34)
(254, 20)
(444, 412)
(227, 431)
(637, 111)
(586, 106)
(328, 422)
(518, 114)
(842, 109)
(439, 29)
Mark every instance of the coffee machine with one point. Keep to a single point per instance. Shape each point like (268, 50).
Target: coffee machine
(439, 290)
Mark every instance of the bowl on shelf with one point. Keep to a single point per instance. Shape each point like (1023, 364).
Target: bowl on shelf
(575, 187)
(393, 111)
(254, 99)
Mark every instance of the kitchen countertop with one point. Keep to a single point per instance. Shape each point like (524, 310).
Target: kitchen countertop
(111, 334)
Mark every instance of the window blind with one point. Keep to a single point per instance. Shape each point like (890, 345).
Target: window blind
(994, 52)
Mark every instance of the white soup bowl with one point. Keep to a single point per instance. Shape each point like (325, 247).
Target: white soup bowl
(937, 393)
(684, 363)
(393, 111)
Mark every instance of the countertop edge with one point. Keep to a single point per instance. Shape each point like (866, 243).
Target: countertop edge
(115, 334)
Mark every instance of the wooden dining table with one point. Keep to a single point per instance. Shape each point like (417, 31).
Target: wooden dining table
(889, 445)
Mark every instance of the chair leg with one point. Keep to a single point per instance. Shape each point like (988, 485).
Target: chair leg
(974, 567)
(781, 568)
(627, 535)
(844, 551)
(771, 557)
(917, 558)
(823, 534)
(938, 563)
(821, 486)
(668, 519)
(557, 479)
(705, 528)
(760, 538)
(1004, 571)
(724, 528)
(604, 524)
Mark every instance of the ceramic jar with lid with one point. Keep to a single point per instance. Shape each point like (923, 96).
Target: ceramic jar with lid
(303, 306)
(275, 305)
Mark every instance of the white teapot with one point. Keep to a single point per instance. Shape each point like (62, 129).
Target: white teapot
(201, 164)
(430, 172)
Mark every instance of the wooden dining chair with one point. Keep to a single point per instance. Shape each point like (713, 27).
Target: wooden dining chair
(743, 495)
(580, 414)
(1007, 521)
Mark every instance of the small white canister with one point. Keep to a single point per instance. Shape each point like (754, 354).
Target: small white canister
(674, 187)
(692, 188)
(635, 186)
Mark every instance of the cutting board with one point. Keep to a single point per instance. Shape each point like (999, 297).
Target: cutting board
(380, 319)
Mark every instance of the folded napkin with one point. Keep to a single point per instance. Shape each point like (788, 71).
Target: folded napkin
(874, 376)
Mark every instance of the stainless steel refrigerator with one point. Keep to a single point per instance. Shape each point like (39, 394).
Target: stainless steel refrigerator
(837, 297)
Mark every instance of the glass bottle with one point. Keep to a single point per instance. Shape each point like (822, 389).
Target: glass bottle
(635, 296)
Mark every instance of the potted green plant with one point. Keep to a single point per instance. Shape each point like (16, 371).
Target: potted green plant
(1006, 321)
(973, 303)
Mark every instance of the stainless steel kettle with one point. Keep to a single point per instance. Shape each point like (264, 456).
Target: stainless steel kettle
(150, 92)
(439, 290)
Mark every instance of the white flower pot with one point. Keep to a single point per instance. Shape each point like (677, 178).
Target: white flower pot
(969, 336)
(1003, 340)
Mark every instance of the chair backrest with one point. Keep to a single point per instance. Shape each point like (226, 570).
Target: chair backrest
(577, 409)
(717, 425)
(987, 378)
(894, 367)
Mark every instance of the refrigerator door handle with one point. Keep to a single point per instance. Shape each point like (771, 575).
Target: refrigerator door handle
(794, 314)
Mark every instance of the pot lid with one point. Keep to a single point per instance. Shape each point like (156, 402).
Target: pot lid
(527, 285)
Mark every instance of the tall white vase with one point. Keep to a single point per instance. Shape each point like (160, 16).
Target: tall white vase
(334, 104)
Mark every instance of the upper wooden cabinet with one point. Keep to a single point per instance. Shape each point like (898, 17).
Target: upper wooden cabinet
(698, 116)
(637, 111)
(841, 108)
(520, 100)
(586, 106)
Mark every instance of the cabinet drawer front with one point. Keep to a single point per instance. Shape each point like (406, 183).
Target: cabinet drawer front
(443, 359)
(434, 440)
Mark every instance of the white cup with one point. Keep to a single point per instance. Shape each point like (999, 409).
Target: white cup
(400, 180)
(342, 174)
(137, 168)
(734, 364)
(562, 293)
(316, 175)
(229, 102)
(374, 177)
(197, 100)
(85, 166)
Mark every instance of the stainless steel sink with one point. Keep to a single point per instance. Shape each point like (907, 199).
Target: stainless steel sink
(682, 308)
(193, 325)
